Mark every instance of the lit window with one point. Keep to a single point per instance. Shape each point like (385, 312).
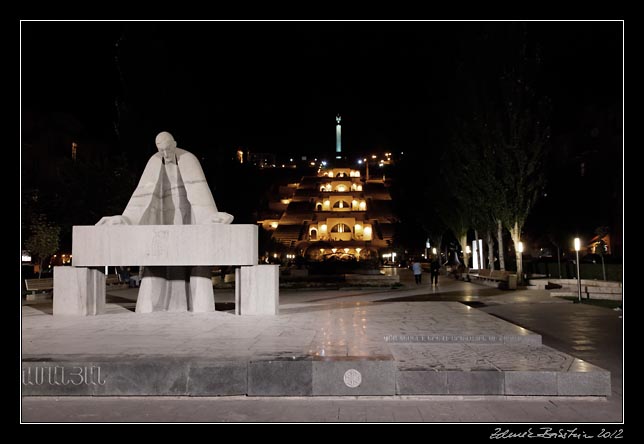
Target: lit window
(341, 204)
(341, 228)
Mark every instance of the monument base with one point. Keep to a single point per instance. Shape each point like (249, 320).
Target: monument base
(257, 290)
(336, 349)
(78, 291)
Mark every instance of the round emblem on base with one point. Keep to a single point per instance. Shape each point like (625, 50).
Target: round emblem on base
(352, 378)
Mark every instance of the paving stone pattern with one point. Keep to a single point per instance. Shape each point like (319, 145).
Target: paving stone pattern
(309, 349)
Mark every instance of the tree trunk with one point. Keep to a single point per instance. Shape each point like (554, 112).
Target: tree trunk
(42, 263)
(603, 266)
(515, 232)
(490, 249)
(559, 261)
(466, 256)
(478, 253)
(500, 241)
(439, 241)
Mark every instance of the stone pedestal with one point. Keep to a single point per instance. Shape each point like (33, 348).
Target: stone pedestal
(257, 290)
(78, 291)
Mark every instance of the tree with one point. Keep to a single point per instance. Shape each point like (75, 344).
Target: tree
(43, 241)
(468, 170)
(522, 143)
(457, 218)
(517, 133)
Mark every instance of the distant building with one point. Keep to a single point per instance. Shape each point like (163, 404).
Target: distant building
(335, 213)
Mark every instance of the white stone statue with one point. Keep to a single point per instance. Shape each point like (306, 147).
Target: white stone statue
(172, 191)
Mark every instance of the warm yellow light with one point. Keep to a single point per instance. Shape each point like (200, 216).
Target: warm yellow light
(327, 203)
(358, 250)
(357, 227)
(520, 247)
(334, 249)
(286, 201)
(323, 227)
(467, 249)
(342, 188)
(274, 224)
(434, 250)
(346, 250)
(373, 156)
(322, 250)
(363, 205)
(577, 244)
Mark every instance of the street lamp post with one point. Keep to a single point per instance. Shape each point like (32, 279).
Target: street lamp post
(520, 251)
(577, 248)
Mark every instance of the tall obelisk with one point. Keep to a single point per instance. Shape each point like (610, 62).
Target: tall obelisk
(338, 135)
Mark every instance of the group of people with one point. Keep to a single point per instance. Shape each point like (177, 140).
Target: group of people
(434, 269)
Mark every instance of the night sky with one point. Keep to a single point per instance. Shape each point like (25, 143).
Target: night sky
(277, 86)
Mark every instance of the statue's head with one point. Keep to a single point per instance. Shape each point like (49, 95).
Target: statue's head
(166, 146)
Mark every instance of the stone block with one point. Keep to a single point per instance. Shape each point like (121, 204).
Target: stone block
(214, 244)
(258, 289)
(78, 291)
(280, 378)
(531, 383)
(218, 378)
(423, 382)
(163, 376)
(583, 379)
(345, 377)
(488, 382)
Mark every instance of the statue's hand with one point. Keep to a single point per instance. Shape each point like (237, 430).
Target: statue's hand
(113, 220)
(221, 218)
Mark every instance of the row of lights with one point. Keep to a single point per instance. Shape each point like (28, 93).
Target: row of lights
(335, 250)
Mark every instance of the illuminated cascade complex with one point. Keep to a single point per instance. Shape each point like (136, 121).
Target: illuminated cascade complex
(334, 214)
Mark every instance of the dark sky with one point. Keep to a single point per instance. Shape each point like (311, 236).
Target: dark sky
(277, 86)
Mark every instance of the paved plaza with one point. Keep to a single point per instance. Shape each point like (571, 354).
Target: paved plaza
(417, 353)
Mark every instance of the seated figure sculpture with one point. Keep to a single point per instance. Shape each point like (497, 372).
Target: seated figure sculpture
(172, 191)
